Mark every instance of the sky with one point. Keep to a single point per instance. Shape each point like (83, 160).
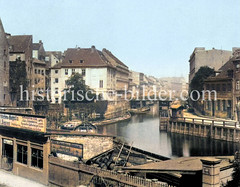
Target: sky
(155, 37)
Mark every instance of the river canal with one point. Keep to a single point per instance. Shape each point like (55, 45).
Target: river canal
(143, 132)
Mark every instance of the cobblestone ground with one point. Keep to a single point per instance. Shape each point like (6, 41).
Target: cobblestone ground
(7, 179)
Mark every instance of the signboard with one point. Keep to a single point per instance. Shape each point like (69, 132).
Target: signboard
(22, 121)
(6, 141)
(67, 148)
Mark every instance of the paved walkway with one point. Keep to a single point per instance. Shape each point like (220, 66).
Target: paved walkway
(11, 180)
(190, 115)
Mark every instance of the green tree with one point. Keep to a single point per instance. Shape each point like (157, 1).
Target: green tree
(77, 94)
(198, 80)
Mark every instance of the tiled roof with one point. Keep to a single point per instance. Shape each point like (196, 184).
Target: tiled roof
(57, 54)
(83, 57)
(19, 43)
(113, 57)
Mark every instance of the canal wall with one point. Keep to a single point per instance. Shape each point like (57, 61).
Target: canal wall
(216, 129)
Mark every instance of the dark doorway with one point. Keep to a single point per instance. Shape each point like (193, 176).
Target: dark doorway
(7, 154)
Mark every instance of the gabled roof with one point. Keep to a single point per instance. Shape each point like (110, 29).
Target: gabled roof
(83, 57)
(114, 58)
(19, 43)
(57, 54)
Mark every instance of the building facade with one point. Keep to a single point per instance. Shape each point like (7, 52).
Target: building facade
(98, 73)
(226, 83)
(214, 58)
(4, 68)
(20, 53)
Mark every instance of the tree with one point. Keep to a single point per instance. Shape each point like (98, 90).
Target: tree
(77, 94)
(198, 80)
(17, 78)
(236, 172)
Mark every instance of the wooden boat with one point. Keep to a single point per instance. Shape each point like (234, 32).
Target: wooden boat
(142, 110)
(114, 120)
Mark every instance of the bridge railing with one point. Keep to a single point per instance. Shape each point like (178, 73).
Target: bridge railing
(204, 121)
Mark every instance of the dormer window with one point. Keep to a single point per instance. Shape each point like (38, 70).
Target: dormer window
(81, 61)
(70, 61)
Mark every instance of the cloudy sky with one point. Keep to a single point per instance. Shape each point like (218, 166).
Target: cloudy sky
(155, 37)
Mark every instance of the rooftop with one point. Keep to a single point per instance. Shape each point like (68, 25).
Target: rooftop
(84, 57)
(19, 43)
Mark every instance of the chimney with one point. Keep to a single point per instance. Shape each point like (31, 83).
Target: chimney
(40, 41)
(93, 48)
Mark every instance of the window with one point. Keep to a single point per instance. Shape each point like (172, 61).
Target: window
(56, 100)
(22, 154)
(70, 61)
(218, 105)
(39, 71)
(83, 72)
(37, 158)
(56, 61)
(5, 65)
(47, 58)
(101, 84)
(56, 71)
(207, 87)
(66, 71)
(213, 86)
(81, 61)
(56, 80)
(229, 103)
(218, 87)
(35, 80)
(35, 71)
(237, 85)
(229, 87)
(56, 90)
(224, 87)
(42, 72)
(209, 105)
(73, 70)
(224, 105)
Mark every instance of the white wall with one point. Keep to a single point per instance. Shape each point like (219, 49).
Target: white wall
(92, 79)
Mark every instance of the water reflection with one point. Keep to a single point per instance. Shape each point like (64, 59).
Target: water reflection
(143, 131)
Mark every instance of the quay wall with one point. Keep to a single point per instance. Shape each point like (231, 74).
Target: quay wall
(220, 130)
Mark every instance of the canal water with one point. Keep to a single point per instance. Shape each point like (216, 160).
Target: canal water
(143, 132)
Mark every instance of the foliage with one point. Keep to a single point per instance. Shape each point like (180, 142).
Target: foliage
(17, 78)
(236, 175)
(198, 80)
(72, 99)
(76, 87)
